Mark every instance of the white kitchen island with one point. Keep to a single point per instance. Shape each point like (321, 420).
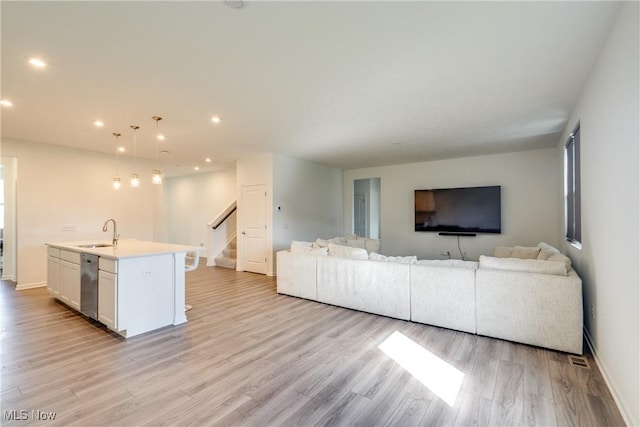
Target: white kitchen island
(140, 284)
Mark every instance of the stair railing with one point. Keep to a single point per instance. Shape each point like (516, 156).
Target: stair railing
(222, 216)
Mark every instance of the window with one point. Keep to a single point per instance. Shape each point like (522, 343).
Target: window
(572, 189)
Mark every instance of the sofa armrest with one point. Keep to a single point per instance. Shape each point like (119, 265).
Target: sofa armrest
(538, 309)
(296, 275)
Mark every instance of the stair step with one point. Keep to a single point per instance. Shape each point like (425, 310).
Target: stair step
(230, 252)
(225, 262)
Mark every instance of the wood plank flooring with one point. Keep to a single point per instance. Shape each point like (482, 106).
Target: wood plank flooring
(249, 356)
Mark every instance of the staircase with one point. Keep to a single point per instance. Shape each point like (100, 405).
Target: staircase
(228, 258)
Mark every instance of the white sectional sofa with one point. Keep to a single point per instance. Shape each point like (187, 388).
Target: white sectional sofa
(511, 299)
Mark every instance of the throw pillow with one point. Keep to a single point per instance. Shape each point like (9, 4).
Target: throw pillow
(295, 243)
(355, 243)
(399, 259)
(308, 250)
(546, 250)
(502, 251)
(322, 243)
(374, 256)
(563, 259)
(525, 252)
(347, 252)
(371, 245)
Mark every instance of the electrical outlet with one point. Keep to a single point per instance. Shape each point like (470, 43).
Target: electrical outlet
(593, 311)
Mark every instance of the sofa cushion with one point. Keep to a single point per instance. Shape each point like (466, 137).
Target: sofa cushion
(503, 251)
(525, 252)
(557, 268)
(399, 259)
(295, 249)
(452, 263)
(347, 252)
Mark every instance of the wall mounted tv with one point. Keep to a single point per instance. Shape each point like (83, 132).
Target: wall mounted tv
(459, 210)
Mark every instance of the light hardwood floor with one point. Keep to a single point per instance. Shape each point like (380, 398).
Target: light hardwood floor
(249, 356)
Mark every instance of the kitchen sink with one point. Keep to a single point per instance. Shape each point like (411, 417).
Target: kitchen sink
(96, 245)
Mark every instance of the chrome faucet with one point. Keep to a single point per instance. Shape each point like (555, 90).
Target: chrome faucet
(116, 236)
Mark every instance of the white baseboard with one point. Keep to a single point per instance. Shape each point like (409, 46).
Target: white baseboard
(612, 387)
(22, 287)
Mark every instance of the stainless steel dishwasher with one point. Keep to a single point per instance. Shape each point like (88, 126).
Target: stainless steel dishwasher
(89, 285)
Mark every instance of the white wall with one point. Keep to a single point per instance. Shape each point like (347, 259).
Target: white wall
(608, 113)
(66, 194)
(9, 266)
(308, 194)
(307, 201)
(529, 181)
(192, 202)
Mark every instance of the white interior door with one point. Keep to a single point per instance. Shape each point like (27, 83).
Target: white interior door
(254, 232)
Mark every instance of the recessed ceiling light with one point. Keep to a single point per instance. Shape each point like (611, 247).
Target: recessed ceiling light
(121, 149)
(161, 137)
(164, 152)
(98, 123)
(6, 103)
(215, 119)
(37, 62)
(208, 160)
(197, 168)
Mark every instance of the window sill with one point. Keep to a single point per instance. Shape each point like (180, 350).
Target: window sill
(575, 244)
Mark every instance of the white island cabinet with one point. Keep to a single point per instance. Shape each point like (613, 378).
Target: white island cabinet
(140, 287)
(63, 276)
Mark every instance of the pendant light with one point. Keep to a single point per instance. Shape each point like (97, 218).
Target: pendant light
(156, 173)
(135, 178)
(116, 179)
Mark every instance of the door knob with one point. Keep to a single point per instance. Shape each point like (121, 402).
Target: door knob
(244, 232)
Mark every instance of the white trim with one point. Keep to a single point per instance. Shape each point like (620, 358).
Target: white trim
(612, 387)
(31, 286)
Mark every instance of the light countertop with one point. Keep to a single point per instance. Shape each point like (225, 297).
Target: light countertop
(126, 248)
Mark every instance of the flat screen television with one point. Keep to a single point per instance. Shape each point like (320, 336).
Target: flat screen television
(459, 210)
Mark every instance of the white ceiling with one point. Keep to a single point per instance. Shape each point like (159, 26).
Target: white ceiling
(346, 84)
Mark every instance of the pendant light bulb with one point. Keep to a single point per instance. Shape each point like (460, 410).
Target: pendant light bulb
(116, 179)
(156, 176)
(135, 178)
(156, 173)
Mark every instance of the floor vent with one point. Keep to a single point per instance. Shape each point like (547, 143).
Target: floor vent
(579, 361)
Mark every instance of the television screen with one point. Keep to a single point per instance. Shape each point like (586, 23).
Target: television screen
(459, 210)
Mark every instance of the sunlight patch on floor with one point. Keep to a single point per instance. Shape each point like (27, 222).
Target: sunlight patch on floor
(439, 376)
